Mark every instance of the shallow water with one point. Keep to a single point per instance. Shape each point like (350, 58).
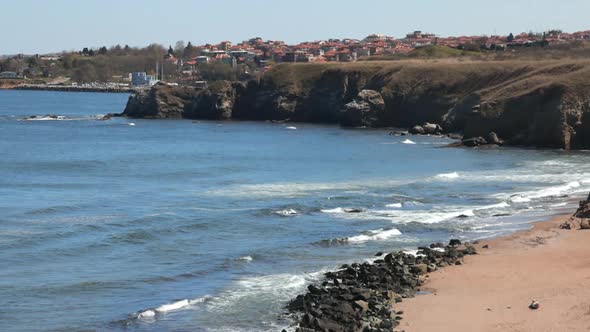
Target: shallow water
(181, 225)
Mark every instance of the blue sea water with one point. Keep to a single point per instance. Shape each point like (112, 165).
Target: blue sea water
(161, 225)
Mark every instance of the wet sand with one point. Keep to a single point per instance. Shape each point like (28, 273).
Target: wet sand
(492, 290)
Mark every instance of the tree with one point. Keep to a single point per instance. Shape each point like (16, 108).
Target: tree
(103, 50)
(170, 50)
(188, 51)
(179, 48)
(85, 51)
(510, 38)
(84, 74)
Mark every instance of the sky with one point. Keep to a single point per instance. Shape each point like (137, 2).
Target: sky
(44, 26)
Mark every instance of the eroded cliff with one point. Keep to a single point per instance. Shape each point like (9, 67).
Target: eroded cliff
(525, 103)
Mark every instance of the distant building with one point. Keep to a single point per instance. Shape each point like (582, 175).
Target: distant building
(142, 79)
(374, 38)
(202, 59)
(8, 74)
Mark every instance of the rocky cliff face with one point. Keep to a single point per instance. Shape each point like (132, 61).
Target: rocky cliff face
(544, 104)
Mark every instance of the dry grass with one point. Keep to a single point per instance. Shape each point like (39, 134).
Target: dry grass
(493, 80)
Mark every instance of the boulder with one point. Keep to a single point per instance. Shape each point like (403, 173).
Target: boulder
(492, 138)
(432, 129)
(475, 141)
(417, 130)
(363, 111)
(454, 242)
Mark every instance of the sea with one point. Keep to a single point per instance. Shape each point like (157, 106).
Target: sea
(179, 225)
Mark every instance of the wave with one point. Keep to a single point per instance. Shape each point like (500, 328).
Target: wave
(343, 210)
(151, 314)
(52, 117)
(394, 205)
(287, 212)
(46, 118)
(291, 128)
(246, 258)
(494, 206)
(549, 192)
(407, 141)
(448, 176)
(376, 235)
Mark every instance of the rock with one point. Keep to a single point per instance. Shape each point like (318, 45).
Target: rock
(486, 246)
(534, 305)
(469, 250)
(420, 269)
(362, 305)
(454, 242)
(584, 224)
(363, 111)
(353, 210)
(386, 324)
(437, 245)
(314, 290)
(492, 138)
(417, 130)
(474, 142)
(432, 129)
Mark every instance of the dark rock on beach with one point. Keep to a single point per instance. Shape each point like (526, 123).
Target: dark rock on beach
(361, 297)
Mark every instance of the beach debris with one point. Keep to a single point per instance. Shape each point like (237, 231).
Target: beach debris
(487, 246)
(534, 305)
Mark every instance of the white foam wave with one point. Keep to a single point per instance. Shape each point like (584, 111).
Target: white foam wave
(246, 258)
(440, 217)
(287, 212)
(552, 191)
(46, 118)
(376, 235)
(131, 124)
(407, 141)
(291, 128)
(394, 205)
(494, 206)
(150, 314)
(448, 176)
(559, 204)
(335, 210)
(519, 199)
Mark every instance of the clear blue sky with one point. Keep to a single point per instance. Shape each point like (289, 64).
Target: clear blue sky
(41, 26)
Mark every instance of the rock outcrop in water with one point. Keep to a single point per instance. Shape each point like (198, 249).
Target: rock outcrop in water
(545, 104)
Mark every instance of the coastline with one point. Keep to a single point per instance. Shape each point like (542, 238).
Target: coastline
(484, 285)
(493, 290)
(71, 89)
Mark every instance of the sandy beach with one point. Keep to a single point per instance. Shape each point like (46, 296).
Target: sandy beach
(492, 290)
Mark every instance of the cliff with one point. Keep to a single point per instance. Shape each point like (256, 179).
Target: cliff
(540, 103)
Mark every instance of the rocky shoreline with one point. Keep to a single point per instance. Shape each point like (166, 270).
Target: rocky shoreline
(363, 297)
(512, 103)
